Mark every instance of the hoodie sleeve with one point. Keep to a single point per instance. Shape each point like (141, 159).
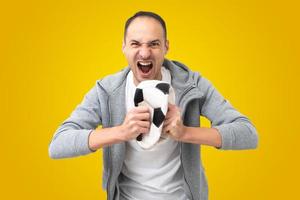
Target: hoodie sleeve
(71, 138)
(236, 130)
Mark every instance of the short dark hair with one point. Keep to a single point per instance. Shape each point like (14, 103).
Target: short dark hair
(146, 14)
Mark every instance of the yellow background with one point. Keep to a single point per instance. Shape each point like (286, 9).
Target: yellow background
(52, 52)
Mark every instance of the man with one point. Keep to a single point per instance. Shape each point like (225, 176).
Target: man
(172, 169)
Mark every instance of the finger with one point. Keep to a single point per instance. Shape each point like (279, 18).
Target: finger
(163, 131)
(170, 114)
(170, 120)
(173, 109)
(144, 124)
(167, 122)
(171, 106)
(141, 116)
(144, 130)
(140, 109)
(164, 135)
(166, 130)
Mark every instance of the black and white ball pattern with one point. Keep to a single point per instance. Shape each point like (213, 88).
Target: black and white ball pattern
(156, 95)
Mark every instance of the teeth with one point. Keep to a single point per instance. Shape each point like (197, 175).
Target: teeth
(145, 63)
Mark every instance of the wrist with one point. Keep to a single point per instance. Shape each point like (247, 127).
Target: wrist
(92, 141)
(184, 133)
(120, 130)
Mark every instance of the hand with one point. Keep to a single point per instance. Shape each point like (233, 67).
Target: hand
(137, 121)
(173, 125)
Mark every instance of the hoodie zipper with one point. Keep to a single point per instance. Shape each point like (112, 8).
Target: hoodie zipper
(109, 174)
(109, 157)
(179, 102)
(184, 172)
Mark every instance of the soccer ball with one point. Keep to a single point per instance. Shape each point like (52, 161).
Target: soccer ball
(156, 95)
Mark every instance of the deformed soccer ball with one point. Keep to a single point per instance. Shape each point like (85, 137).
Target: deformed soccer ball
(156, 95)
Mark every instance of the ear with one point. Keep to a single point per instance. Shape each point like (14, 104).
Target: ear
(167, 46)
(123, 46)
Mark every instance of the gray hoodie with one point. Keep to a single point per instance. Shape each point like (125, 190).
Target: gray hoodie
(104, 105)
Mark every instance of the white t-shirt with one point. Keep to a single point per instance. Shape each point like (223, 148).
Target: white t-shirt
(155, 173)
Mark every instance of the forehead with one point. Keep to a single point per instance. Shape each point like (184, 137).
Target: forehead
(144, 29)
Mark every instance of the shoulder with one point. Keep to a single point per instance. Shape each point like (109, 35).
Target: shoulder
(111, 82)
(183, 78)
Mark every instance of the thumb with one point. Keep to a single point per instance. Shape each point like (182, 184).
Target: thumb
(171, 106)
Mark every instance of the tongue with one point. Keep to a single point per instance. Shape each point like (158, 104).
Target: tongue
(145, 69)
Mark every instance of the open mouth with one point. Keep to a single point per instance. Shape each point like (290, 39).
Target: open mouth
(145, 66)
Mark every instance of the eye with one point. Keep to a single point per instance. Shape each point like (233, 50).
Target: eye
(134, 44)
(155, 44)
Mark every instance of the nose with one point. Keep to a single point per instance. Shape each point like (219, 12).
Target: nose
(144, 52)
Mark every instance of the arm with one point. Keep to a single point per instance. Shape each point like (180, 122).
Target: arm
(174, 127)
(230, 129)
(77, 135)
(104, 137)
(137, 121)
(235, 129)
(205, 136)
(71, 138)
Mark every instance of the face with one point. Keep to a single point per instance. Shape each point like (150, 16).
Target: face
(145, 48)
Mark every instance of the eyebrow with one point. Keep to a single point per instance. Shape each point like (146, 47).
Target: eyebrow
(134, 41)
(156, 40)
